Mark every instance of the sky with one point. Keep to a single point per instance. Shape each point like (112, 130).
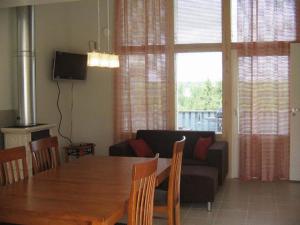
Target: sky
(198, 67)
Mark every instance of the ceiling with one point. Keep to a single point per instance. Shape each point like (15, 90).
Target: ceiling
(14, 3)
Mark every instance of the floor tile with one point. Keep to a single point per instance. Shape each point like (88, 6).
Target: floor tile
(246, 203)
(234, 205)
(261, 218)
(232, 217)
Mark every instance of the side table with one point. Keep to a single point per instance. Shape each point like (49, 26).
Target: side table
(78, 150)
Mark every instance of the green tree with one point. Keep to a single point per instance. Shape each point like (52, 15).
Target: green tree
(199, 96)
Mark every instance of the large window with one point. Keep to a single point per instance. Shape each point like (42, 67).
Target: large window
(196, 43)
(198, 64)
(199, 91)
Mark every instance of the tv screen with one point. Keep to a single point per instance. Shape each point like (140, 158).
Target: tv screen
(69, 66)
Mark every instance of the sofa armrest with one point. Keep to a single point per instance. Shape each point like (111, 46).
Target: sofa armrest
(218, 157)
(121, 149)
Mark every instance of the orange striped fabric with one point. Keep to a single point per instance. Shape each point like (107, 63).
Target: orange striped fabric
(265, 29)
(142, 81)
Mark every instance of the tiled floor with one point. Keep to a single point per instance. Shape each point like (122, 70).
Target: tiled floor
(246, 203)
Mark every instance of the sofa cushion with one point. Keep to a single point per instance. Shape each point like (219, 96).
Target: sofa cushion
(161, 141)
(198, 184)
(194, 162)
(201, 148)
(141, 148)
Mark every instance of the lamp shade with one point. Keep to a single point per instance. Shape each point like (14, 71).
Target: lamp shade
(92, 59)
(99, 59)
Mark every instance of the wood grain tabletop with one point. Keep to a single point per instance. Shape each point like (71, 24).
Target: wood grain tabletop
(91, 190)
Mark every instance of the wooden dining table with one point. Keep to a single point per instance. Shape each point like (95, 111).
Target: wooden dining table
(91, 190)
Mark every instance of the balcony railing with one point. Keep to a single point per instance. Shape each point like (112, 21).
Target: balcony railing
(205, 120)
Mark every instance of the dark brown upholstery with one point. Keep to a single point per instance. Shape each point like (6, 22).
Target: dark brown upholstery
(206, 175)
(196, 185)
(195, 182)
(194, 162)
(161, 141)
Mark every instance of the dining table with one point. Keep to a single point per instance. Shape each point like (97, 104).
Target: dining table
(92, 190)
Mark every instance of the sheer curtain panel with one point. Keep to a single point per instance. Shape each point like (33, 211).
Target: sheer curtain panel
(142, 82)
(265, 29)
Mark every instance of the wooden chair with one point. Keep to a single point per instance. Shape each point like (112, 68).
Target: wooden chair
(140, 205)
(170, 204)
(10, 170)
(45, 154)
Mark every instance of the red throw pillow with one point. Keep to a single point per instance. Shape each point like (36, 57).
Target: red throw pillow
(201, 148)
(141, 148)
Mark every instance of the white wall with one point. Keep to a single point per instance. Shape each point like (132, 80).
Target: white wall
(65, 27)
(95, 99)
(6, 59)
(69, 27)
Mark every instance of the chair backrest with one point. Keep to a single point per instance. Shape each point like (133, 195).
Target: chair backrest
(140, 207)
(45, 154)
(13, 165)
(175, 173)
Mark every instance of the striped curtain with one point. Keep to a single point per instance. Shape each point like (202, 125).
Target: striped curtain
(142, 83)
(265, 30)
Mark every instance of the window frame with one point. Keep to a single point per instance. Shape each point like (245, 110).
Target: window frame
(224, 47)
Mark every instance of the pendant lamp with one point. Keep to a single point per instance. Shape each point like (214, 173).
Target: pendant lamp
(97, 58)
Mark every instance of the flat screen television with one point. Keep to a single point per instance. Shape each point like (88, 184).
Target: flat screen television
(69, 66)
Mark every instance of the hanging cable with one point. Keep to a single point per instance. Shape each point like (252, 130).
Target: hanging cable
(60, 116)
(108, 30)
(98, 25)
(72, 106)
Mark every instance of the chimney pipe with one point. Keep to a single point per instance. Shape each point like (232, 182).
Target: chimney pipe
(26, 66)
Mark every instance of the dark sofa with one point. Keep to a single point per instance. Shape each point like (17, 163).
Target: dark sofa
(216, 164)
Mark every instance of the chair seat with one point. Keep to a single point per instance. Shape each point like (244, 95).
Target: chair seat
(160, 197)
